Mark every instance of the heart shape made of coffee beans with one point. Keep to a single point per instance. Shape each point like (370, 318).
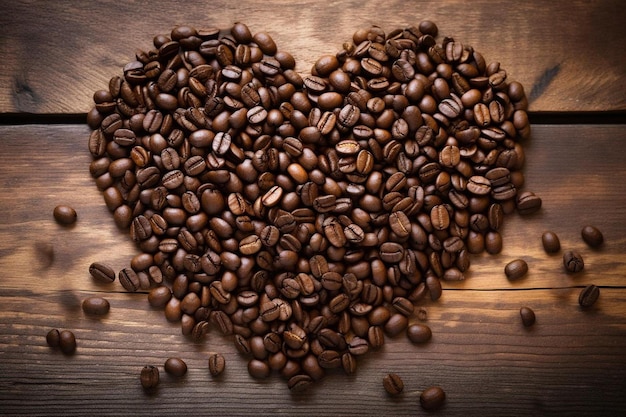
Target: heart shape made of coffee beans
(307, 216)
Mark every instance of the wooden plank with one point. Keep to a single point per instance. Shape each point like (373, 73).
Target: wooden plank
(56, 54)
(571, 361)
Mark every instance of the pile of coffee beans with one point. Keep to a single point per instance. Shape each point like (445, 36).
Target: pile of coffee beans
(305, 216)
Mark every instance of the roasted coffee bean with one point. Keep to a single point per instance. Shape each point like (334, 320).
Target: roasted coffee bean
(573, 261)
(129, 279)
(588, 296)
(67, 342)
(217, 364)
(64, 215)
(175, 367)
(149, 377)
(159, 296)
(516, 269)
(592, 236)
(96, 306)
(419, 333)
(527, 315)
(551, 242)
(432, 398)
(528, 203)
(393, 384)
(102, 272)
(53, 338)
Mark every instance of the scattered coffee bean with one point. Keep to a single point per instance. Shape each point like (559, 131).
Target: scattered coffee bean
(588, 296)
(419, 333)
(67, 342)
(176, 367)
(64, 215)
(432, 398)
(393, 384)
(149, 377)
(592, 236)
(53, 338)
(573, 261)
(217, 364)
(528, 316)
(551, 242)
(516, 269)
(159, 296)
(96, 306)
(528, 203)
(102, 272)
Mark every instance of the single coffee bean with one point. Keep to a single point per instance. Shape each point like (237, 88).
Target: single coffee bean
(67, 342)
(419, 333)
(217, 364)
(393, 384)
(528, 203)
(527, 315)
(588, 296)
(551, 242)
(96, 306)
(299, 382)
(516, 269)
(175, 367)
(573, 261)
(258, 369)
(149, 377)
(64, 215)
(592, 236)
(432, 398)
(129, 279)
(102, 272)
(53, 338)
(159, 296)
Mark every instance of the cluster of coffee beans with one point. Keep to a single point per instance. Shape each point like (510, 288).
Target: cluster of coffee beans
(306, 216)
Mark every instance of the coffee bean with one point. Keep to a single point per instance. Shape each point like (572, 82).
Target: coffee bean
(175, 367)
(149, 377)
(64, 215)
(96, 306)
(419, 333)
(129, 279)
(67, 342)
(592, 236)
(159, 296)
(528, 203)
(527, 315)
(393, 384)
(217, 364)
(102, 272)
(573, 261)
(432, 398)
(551, 242)
(516, 269)
(588, 296)
(53, 338)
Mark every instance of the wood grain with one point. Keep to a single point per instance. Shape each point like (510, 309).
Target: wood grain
(571, 362)
(566, 53)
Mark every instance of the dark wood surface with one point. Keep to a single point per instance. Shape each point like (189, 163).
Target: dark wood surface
(572, 362)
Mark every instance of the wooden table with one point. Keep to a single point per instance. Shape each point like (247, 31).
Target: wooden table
(568, 55)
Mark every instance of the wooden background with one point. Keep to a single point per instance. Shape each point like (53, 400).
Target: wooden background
(568, 54)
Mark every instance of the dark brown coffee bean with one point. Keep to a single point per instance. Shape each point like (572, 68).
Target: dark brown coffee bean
(592, 236)
(299, 382)
(67, 342)
(516, 269)
(588, 296)
(258, 369)
(175, 367)
(419, 333)
(102, 272)
(393, 384)
(53, 338)
(527, 315)
(149, 377)
(573, 261)
(129, 279)
(217, 364)
(528, 203)
(159, 296)
(551, 242)
(432, 398)
(64, 215)
(96, 306)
